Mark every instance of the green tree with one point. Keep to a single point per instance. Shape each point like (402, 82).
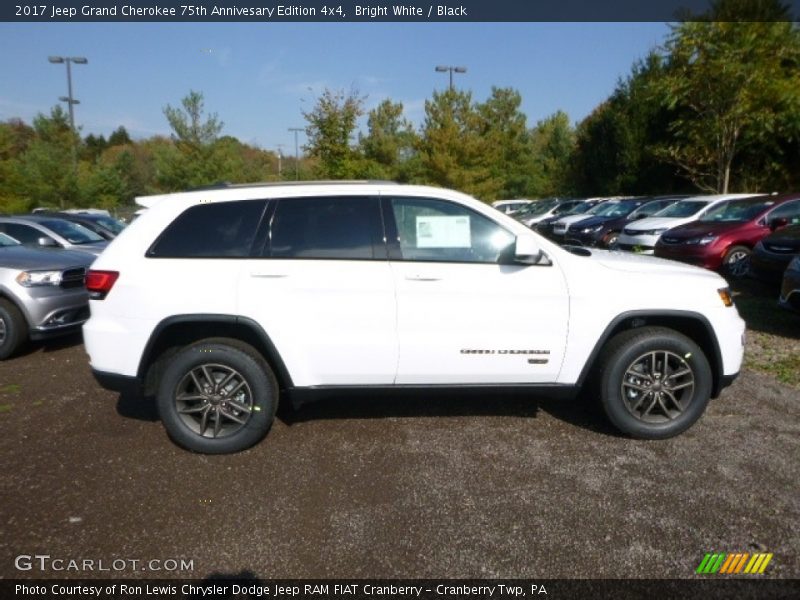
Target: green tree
(331, 124)
(451, 149)
(389, 144)
(552, 146)
(506, 144)
(734, 87)
(119, 137)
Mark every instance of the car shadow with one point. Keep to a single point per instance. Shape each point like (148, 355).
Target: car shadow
(52, 345)
(757, 304)
(579, 412)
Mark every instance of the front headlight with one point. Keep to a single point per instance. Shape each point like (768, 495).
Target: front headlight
(654, 232)
(795, 264)
(702, 241)
(39, 278)
(594, 229)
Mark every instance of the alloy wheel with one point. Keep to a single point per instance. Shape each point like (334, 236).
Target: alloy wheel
(658, 387)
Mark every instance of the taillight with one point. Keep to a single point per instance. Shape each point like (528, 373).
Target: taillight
(99, 283)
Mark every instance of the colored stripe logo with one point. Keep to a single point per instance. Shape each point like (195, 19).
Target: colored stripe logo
(734, 563)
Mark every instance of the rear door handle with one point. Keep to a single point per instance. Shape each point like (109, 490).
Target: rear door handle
(422, 278)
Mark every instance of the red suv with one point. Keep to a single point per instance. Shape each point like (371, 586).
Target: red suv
(725, 235)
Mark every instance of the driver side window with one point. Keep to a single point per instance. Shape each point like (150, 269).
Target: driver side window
(440, 231)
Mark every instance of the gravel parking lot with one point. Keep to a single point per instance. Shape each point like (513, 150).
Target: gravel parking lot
(444, 486)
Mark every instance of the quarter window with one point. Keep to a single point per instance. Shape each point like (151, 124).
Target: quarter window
(218, 230)
(24, 234)
(440, 231)
(344, 228)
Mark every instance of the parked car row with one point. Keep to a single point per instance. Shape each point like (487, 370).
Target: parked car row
(737, 234)
(44, 258)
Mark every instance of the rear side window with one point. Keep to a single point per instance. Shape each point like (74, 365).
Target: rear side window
(218, 230)
(23, 233)
(345, 228)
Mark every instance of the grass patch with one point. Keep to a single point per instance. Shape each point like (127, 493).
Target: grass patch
(11, 388)
(4, 408)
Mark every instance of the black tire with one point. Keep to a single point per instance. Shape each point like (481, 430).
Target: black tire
(13, 329)
(628, 390)
(217, 397)
(736, 262)
(610, 239)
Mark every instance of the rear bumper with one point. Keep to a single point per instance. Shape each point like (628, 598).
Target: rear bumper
(117, 383)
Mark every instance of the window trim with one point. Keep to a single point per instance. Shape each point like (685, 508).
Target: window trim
(393, 235)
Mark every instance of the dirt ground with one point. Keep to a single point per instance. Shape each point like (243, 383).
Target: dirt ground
(440, 486)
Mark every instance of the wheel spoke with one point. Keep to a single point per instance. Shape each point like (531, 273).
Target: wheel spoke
(641, 399)
(680, 373)
(674, 402)
(204, 420)
(232, 417)
(208, 377)
(217, 421)
(636, 386)
(239, 406)
(196, 381)
(224, 381)
(234, 390)
(650, 407)
(653, 365)
(193, 410)
(189, 397)
(633, 373)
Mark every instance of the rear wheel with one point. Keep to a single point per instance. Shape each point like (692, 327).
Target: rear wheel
(736, 261)
(217, 397)
(655, 382)
(12, 329)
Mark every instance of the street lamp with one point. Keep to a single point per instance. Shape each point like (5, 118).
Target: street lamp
(451, 70)
(296, 155)
(78, 60)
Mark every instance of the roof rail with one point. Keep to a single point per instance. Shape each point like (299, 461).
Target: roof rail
(222, 185)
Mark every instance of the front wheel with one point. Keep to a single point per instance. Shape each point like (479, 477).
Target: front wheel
(736, 261)
(12, 329)
(655, 382)
(217, 398)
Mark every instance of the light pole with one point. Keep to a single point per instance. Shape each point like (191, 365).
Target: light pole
(280, 156)
(78, 60)
(451, 70)
(296, 155)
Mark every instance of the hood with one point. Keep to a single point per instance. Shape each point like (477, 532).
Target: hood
(570, 219)
(657, 223)
(594, 221)
(639, 263)
(697, 229)
(25, 258)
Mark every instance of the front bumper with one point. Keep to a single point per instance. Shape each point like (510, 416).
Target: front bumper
(790, 291)
(699, 256)
(53, 311)
(768, 267)
(643, 244)
(117, 383)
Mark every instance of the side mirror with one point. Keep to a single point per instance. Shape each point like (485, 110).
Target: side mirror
(47, 242)
(642, 216)
(777, 223)
(527, 251)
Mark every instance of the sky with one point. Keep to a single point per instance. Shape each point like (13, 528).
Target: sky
(259, 78)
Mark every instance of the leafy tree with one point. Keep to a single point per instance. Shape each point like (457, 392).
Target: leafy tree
(553, 143)
(331, 124)
(506, 143)
(734, 87)
(389, 144)
(119, 137)
(451, 148)
(187, 123)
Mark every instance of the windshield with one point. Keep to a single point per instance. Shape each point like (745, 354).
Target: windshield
(581, 208)
(109, 223)
(538, 207)
(684, 208)
(736, 211)
(614, 209)
(7, 240)
(565, 208)
(72, 232)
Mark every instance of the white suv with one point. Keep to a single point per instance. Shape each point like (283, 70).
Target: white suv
(221, 301)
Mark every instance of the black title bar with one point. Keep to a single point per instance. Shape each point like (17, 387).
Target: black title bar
(334, 11)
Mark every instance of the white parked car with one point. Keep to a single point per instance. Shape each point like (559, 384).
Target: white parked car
(509, 206)
(641, 236)
(223, 302)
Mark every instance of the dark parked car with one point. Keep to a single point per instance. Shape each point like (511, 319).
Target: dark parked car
(724, 237)
(773, 254)
(790, 290)
(106, 227)
(602, 228)
(545, 226)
